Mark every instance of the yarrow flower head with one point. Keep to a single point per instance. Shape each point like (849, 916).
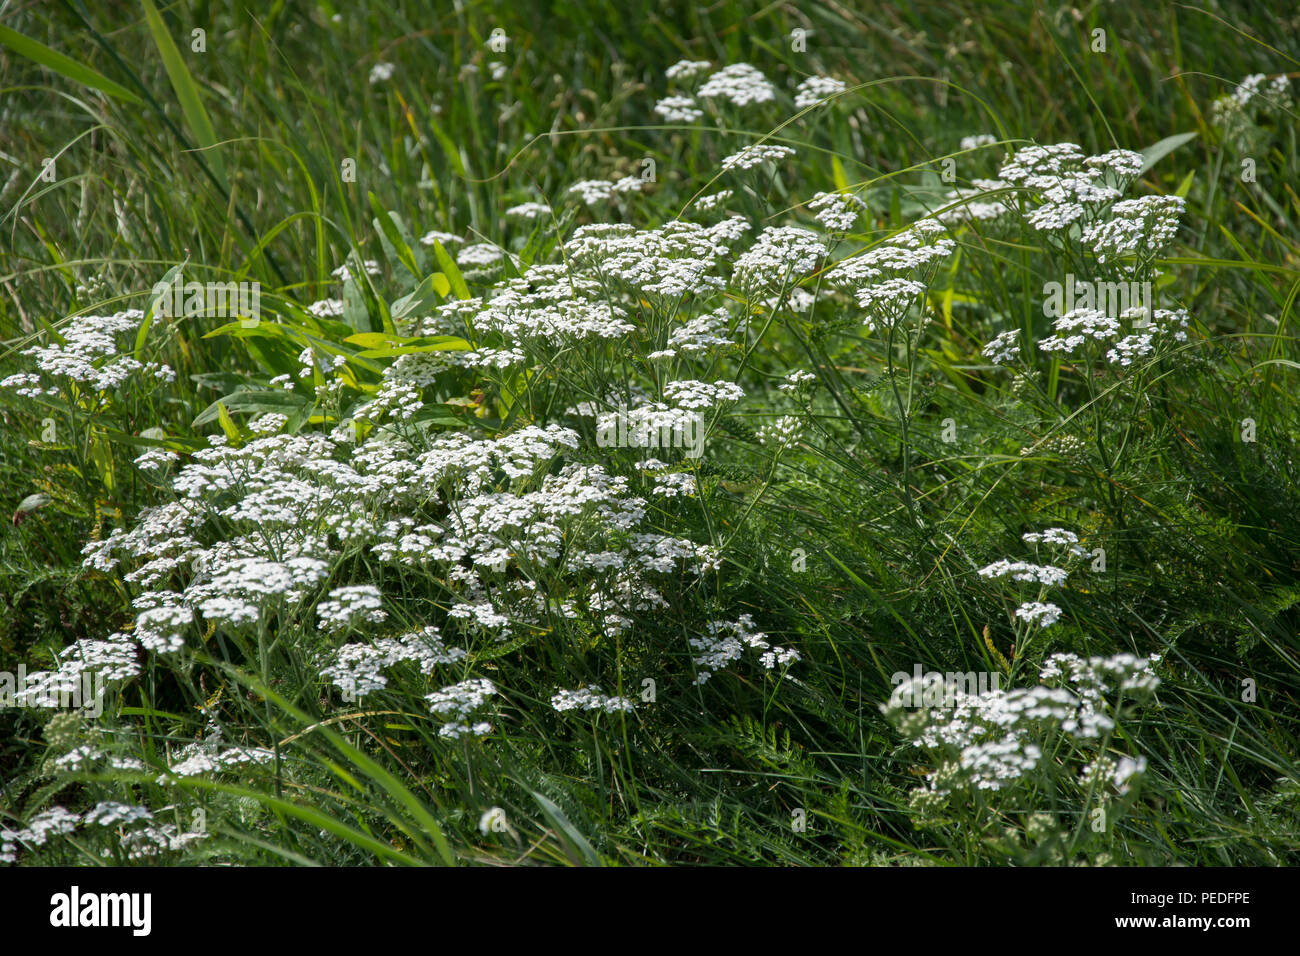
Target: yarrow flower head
(1036, 611)
(347, 607)
(781, 433)
(457, 702)
(590, 698)
(835, 211)
(779, 253)
(756, 155)
(529, 210)
(815, 90)
(995, 740)
(1077, 327)
(1137, 227)
(679, 109)
(686, 69)
(90, 355)
(1237, 113)
(740, 84)
(726, 642)
(1024, 571)
(1003, 348)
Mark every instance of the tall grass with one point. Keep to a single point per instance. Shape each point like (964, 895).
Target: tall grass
(859, 545)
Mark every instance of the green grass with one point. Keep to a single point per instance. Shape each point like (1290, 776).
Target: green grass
(233, 160)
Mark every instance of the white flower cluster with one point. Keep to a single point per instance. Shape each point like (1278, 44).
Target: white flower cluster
(1003, 347)
(344, 272)
(995, 739)
(326, 308)
(1058, 537)
(281, 505)
(884, 278)
(590, 698)
(693, 395)
(1061, 186)
(457, 703)
(347, 607)
(668, 262)
(1080, 327)
(1234, 113)
(687, 69)
(977, 204)
(699, 336)
(1076, 327)
(1094, 677)
(674, 484)
(207, 756)
(1045, 614)
(887, 302)
(529, 211)
(357, 669)
(111, 813)
(837, 212)
(816, 90)
(782, 433)
(1137, 227)
(87, 356)
(1045, 575)
(796, 380)
(679, 109)
(757, 155)
(594, 191)
(443, 238)
(1024, 571)
(479, 255)
(81, 664)
(713, 200)
(726, 642)
(1106, 771)
(779, 254)
(739, 84)
(143, 841)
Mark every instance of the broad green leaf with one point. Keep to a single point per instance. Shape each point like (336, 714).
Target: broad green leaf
(1158, 151)
(433, 343)
(64, 65)
(433, 286)
(32, 502)
(228, 424)
(575, 844)
(145, 440)
(391, 235)
(837, 174)
(355, 313)
(187, 91)
(143, 333)
(452, 271)
(252, 401)
(102, 454)
(376, 340)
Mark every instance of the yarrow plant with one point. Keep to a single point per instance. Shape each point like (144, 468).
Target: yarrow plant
(994, 750)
